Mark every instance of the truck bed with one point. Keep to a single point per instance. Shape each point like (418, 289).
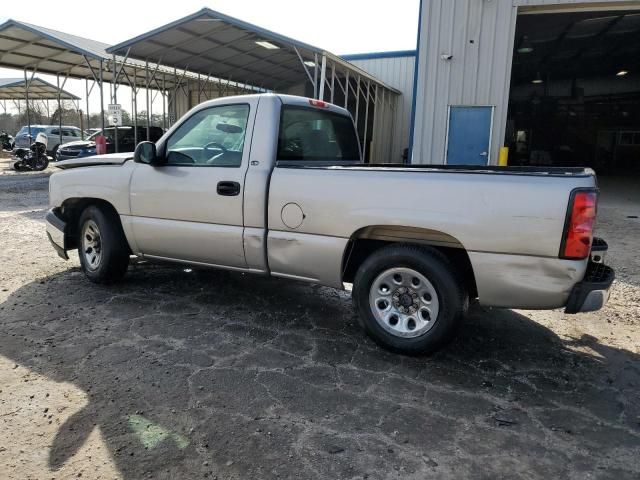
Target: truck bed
(479, 169)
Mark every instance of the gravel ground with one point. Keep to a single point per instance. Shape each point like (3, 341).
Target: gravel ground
(202, 374)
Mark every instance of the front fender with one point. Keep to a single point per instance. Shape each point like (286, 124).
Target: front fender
(108, 183)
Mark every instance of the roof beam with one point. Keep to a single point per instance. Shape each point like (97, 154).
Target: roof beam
(213, 60)
(189, 40)
(208, 39)
(217, 47)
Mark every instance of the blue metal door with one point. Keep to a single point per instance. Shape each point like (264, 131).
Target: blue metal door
(469, 135)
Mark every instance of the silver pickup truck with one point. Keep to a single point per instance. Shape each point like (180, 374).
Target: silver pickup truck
(274, 185)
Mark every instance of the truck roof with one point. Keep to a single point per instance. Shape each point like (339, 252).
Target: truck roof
(285, 99)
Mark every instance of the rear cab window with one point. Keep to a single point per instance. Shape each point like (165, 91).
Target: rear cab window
(310, 136)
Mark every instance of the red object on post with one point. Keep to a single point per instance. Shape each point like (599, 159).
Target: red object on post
(101, 145)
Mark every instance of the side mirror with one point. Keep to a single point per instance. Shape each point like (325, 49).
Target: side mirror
(146, 153)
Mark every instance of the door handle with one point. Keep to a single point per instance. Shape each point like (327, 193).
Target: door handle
(484, 154)
(228, 189)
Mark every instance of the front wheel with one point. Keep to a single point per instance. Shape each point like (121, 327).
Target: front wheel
(102, 246)
(409, 299)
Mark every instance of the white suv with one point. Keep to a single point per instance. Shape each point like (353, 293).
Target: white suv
(69, 134)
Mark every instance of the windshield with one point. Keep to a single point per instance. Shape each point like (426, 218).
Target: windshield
(34, 131)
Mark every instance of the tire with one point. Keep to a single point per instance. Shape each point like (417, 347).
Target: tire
(54, 152)
(42, 163)
(409, 299)
(100, 227)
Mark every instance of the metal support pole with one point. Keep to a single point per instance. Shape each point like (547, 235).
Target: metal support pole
(164, 103)
(315, 76)
(86, 88)
(199, 90)
(59, 110)
(134, 107)
(357, 102)
(115, 101)
(152, 97)
(101, 97)
(26, 95)
(366, 122)
(333, 80)
(346, 95)
(174, 106)
(323, 76)
(146, 76)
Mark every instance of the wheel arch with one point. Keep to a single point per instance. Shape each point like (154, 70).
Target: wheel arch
(369, 239)
(72, 208)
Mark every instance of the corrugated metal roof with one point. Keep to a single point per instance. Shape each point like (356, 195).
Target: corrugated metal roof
(24, 45)
(13, 89)
(214, 44)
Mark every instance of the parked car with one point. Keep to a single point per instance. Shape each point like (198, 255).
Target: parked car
(91, 131)
(126, 142)
(274, 185)
(69, 134)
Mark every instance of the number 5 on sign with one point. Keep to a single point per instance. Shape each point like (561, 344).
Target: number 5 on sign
(115, 115)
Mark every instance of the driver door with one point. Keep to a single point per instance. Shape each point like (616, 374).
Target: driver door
(191, 208)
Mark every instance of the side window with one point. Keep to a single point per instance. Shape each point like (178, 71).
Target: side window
(212, 137)
(316, 135)
(55, 131)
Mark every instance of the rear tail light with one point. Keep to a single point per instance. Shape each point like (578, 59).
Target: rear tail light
(578, 234)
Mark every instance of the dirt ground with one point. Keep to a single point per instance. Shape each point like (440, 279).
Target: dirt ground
(180, 374)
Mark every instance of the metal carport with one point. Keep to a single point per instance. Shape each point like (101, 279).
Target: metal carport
(36, 49)
(215, 46)
(16, 89)
(13, 89)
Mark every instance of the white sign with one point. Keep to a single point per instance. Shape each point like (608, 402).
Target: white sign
(115, 115)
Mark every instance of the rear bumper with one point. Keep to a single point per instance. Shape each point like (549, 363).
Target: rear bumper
(592, 293)
(539, 283)
(57, 232)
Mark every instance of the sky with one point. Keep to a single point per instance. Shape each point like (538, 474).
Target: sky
(338, 26)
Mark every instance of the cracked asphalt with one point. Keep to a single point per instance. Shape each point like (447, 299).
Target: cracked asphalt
(180, 374)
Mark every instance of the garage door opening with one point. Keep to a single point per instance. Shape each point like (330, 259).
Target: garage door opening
(575, 91)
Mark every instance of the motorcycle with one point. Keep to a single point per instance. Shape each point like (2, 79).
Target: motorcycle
(6, 140)
(34, 159)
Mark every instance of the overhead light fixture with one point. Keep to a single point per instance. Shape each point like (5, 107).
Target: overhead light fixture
(538, 80)
(309, 63)
(267, 45)
(525, 46)
(622, 73)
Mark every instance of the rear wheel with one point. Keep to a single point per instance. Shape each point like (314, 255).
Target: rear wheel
(409, 299)
(102, 246)
(41, 163)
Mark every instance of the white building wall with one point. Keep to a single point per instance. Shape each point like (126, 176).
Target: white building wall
(479, 34)
(397, 72)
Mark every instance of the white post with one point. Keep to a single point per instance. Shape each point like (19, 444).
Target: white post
(323, 77)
